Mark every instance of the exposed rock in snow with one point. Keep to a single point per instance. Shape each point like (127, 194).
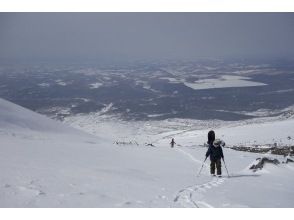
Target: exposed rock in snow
(272, 149)
(260, 162)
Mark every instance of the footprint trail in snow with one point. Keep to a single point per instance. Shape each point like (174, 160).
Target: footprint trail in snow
(192, 196)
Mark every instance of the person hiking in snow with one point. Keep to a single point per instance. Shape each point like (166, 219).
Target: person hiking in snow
(172, 143)
(215, 152)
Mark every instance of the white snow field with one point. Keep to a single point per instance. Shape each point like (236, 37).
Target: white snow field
(224, 81)
(48, 164)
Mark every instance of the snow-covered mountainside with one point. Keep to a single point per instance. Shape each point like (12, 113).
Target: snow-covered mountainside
(48, 164)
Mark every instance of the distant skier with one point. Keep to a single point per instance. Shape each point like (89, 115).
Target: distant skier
(215, 152)
(172, 143)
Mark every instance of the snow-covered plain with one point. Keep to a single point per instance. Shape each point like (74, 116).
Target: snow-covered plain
(96, 85)
(224, 81)
(48, 164)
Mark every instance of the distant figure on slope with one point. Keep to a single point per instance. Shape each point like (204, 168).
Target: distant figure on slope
(172, 143)
(215, 152)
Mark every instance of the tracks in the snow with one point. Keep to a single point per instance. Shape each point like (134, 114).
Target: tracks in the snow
(190, 156)
(191, 196)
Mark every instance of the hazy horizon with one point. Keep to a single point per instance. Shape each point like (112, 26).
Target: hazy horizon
(127, 37)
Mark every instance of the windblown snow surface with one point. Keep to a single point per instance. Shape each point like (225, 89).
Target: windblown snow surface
(48, 164)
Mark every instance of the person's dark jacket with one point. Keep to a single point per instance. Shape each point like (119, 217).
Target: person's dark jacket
(215, 153)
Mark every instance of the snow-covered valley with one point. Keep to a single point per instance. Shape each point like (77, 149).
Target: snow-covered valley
(49, 164)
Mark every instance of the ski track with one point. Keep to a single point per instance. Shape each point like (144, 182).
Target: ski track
(187, 197)
(190, 156)
(192, 196)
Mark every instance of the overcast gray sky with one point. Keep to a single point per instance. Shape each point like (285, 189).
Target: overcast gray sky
(136, 36)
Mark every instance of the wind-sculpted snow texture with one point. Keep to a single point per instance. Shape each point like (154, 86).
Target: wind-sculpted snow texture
(48, 164)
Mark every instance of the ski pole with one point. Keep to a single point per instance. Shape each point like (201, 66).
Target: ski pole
(226, 167)
(202, 166)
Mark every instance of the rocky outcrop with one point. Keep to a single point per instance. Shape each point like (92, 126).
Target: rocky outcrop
(260, 162)
(287, 150)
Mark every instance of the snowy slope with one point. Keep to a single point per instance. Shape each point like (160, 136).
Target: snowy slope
(244, 134)
(47, 164)
(42, 168)
(14, 117)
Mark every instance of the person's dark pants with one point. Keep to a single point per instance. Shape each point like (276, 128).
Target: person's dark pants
(218, 166)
